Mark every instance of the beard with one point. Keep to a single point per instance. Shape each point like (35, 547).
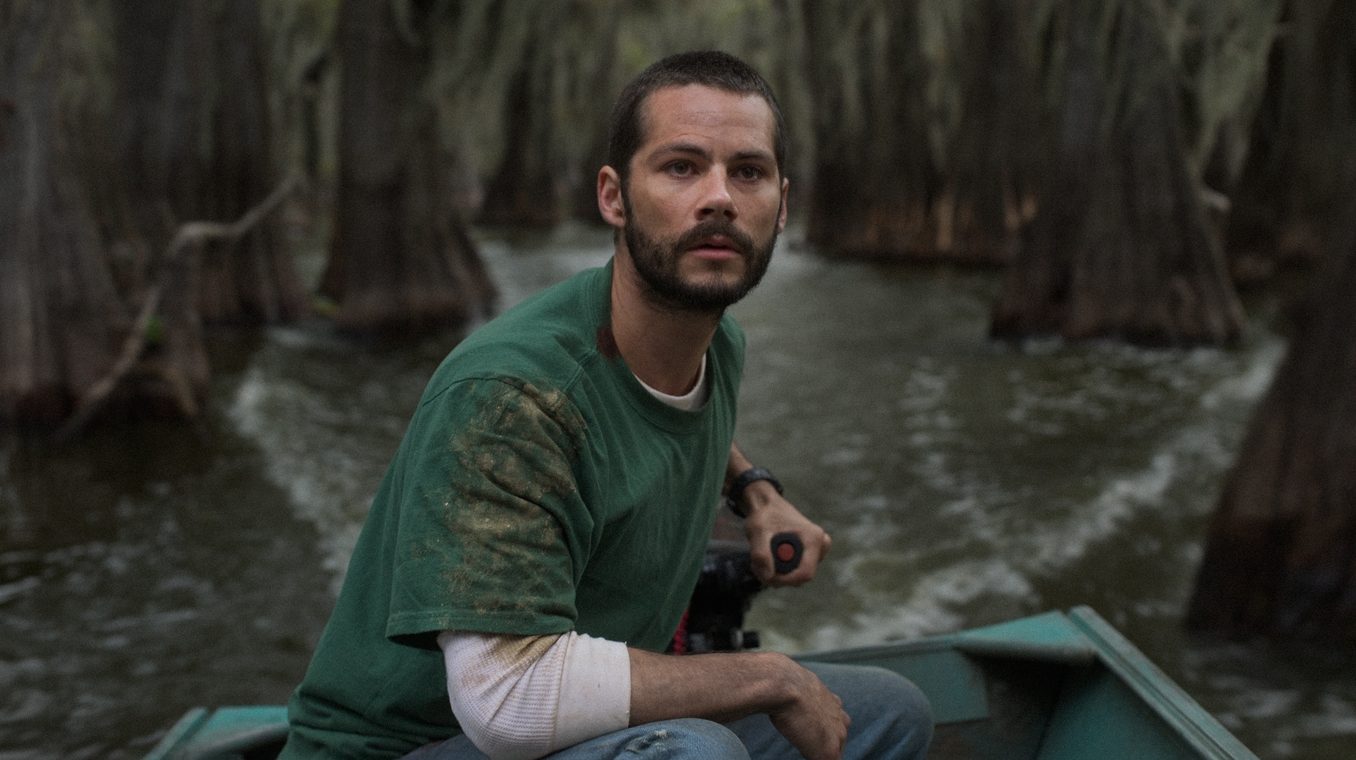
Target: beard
(657, 261)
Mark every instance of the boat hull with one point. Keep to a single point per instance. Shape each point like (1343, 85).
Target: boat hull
(1056, 686)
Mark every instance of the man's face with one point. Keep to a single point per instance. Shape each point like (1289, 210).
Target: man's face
(704, 201)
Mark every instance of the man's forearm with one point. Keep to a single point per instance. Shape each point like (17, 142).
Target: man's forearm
(720, 687)
(725, 687)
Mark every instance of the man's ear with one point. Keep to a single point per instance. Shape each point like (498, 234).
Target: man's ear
(781, 214)
(610, 203)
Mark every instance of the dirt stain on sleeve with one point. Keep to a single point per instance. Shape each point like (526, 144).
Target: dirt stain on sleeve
(514, 466)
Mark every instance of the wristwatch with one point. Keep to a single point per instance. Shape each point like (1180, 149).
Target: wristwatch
(742, 481)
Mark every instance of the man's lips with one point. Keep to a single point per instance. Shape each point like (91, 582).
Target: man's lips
(716, 246)
(714, 254)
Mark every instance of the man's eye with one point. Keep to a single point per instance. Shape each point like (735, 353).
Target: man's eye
(749, 173)
(679, 168)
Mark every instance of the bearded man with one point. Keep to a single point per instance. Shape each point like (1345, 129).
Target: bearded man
(535, 541)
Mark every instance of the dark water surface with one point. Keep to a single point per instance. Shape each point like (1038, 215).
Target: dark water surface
(147, 570)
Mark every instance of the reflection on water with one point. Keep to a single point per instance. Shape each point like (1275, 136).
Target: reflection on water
(147, 570)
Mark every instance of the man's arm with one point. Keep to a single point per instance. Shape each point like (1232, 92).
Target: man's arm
(724, 687)
(529, 675)
(521, 697)
(524, 696)
(769, 513)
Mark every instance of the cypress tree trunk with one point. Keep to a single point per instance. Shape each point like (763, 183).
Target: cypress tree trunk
(599, 84)
(1120, 246)
(203, 148)
(875, 181)
(1302, 158)
(564, 73)
(61, 317)
(525, 191)
(107, 145)
(987, 199)
(400, 257)
(1280, 555)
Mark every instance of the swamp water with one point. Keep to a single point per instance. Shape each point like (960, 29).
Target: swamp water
(145, 570)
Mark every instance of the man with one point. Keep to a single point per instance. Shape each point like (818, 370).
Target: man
(536, 538)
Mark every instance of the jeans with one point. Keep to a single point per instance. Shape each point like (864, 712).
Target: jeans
(891, 720)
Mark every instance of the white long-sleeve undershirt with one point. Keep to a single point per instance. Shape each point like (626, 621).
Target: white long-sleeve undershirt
(521, 697)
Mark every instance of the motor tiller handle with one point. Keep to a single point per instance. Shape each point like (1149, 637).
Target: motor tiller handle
(786, 552)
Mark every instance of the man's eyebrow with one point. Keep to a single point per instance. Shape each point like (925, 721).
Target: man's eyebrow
(701, 152)
(683, 147)
(754, 155)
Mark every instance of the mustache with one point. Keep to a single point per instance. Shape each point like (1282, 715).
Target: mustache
(738, 239)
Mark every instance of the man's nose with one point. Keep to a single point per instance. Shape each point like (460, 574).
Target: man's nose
(716, 198)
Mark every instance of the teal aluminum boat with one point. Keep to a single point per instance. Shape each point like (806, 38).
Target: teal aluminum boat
(1055, 686)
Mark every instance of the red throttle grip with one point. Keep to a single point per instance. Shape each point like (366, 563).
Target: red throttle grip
(786, 552)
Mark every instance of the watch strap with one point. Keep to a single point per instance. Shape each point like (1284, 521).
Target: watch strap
(742, 481)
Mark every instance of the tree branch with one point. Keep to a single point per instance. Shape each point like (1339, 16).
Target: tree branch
(189, 236)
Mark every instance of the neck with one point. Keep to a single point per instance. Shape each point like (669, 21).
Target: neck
(662, 346)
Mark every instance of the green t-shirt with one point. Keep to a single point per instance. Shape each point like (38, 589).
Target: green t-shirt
(539, 489)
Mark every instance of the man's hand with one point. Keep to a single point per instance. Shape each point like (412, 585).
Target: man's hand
(769, 513)
(814, 722)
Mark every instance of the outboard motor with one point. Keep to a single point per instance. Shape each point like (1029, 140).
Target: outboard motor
(714, 621)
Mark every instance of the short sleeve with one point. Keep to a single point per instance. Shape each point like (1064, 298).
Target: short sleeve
(491, 520)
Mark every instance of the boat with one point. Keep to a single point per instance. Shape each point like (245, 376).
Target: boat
(1061, 685)
(1055, 686)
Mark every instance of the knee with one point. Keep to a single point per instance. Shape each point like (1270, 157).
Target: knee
(895, 710)
(914, 713)
(686, 739)
(911, 702)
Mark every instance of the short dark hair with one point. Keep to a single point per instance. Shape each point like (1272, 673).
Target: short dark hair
(710, 68)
